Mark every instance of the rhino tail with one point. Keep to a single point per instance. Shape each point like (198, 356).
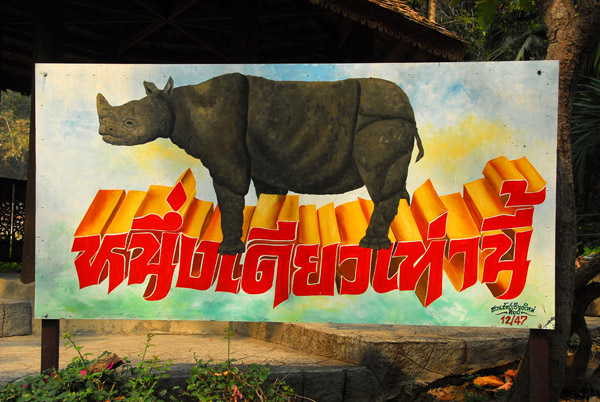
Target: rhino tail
(420, 146)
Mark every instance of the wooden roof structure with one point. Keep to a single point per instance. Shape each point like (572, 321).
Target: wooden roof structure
(216, 31)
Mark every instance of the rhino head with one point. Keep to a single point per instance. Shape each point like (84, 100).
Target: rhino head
(138, 121)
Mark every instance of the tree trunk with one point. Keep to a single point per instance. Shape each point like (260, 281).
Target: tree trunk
(432, 10)
(569, 32)
(577, 365)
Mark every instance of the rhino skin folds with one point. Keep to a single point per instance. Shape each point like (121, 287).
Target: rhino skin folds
(306, 137)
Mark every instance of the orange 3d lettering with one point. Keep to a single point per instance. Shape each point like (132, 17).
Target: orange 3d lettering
(165, 238)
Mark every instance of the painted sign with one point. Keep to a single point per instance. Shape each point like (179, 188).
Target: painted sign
(387, 193)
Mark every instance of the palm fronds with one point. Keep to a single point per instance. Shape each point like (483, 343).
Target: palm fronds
(585, 128)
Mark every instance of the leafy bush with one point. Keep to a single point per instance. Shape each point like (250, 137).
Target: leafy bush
(7, 266)
(77, 382)
(226, 382)
(80, 381)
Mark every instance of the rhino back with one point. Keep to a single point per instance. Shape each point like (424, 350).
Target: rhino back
(384, 100)
(211, 125)
(300, 134)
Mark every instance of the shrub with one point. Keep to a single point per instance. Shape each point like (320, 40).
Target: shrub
(86, 379)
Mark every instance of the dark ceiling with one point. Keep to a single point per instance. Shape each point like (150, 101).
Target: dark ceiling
(212, 31)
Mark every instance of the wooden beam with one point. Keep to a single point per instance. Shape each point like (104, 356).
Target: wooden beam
(202, 43)
(161, 21)
(181, 8)
(99, 7)
(399, 52)
(140, 36)
(244, 41)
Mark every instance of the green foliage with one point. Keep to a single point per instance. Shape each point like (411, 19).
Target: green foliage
(459, 17)
(514, 34)
(590, 249)
(76, 383)
(6, 266)
(585, 147)
(62, 385)
(17, 104)
(477, 393)
(494, 29)
(145, 376)
(14, 134)
(207, 382)
(585, 129)
(72, 383)
(487, 10)
(227, 382)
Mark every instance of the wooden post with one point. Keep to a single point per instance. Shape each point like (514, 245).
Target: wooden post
(48, 47)
(539, 379)
(50, 344)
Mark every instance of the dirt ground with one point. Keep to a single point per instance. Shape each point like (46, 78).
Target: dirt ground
(468, 391)
(491, 384)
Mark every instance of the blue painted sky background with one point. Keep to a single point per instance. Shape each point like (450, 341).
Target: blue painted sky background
(467, 114)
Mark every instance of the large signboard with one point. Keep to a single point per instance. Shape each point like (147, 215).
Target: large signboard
(369, 193)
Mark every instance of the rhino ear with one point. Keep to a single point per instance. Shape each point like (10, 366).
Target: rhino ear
(150, 87)
(102, 104)
(169, 86)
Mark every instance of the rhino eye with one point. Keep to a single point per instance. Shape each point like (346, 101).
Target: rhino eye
(129, 122)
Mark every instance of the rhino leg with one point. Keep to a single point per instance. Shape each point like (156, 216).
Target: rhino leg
(382, 152)
(376, 237)
(232, 219)
(264, 188)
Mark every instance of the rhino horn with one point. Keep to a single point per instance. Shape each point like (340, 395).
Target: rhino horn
(102, 104)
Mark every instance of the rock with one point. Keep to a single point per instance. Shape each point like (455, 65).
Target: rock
(324, 386)
(401, 352)
(396, 358)
(359, 385)
(15, 317)
(593, 309)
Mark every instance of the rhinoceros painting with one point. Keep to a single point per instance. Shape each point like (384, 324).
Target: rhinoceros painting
(304, 137)
(468, 250)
